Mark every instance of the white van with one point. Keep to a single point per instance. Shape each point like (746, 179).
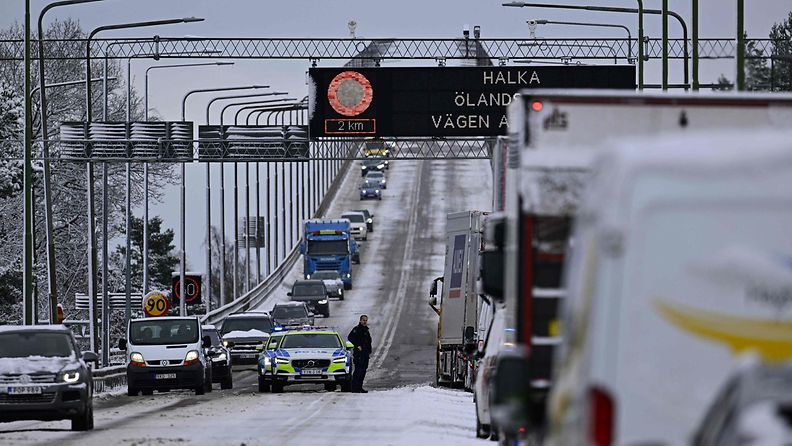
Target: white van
(681, 262)
(165, 353)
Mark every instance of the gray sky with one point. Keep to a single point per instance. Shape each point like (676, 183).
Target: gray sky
(323, 18)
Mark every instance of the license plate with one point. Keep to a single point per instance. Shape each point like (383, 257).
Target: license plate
(25, 390)
(247, 356)
(165, 376)
(311, 372)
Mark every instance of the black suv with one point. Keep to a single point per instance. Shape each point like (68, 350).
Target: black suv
(313, 293)
(44, 377)
(369, 219)
(220, 357)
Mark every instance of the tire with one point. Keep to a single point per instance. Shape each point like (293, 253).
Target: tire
(494, 433)
(227, 383)
(326, 313)
(209, 380)
(132, 391)
(84, 422)
(200, 389)
(277, 387)
(263, 385)
(347, 287)
(482, 430)
(147, 392)
(330, 387)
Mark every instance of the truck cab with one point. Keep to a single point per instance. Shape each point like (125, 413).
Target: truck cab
(328, 246)
(165, 353)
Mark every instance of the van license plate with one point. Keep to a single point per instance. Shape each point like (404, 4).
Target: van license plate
(165, 376)
(311, 372)
(25, 390)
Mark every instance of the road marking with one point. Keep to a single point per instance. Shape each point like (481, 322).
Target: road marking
(404, 276)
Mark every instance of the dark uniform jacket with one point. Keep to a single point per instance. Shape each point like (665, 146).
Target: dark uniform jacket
(360, 337)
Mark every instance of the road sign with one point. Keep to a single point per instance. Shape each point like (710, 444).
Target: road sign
(156, 304)
(192, 288)
(437, 101)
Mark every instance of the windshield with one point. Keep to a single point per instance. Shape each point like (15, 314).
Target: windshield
(247, 323)
(368, 185)
(305, 289)
(328, 247)
(311, 340)
(375, 175)
(22, 345)
(156, 332)
(289, 313)
(354, 218)
(379, 145)
(213, 336)
(364, 212)
(325, 275)
(371, 162)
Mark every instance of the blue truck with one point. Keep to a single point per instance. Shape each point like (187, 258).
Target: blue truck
(328, 246)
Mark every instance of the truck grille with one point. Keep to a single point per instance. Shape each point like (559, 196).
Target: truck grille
(303, 363)
(38, 378)
(23, 399)
(328, 266)
(167, 362)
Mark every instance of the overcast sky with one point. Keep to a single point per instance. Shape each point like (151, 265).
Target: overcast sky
(375, 18)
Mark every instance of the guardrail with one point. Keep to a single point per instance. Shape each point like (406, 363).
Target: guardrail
(106, 378)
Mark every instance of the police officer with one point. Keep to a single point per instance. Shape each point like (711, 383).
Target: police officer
(361, 339)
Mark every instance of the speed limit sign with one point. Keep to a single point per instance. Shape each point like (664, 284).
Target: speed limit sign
(156, 304)
(192, 288)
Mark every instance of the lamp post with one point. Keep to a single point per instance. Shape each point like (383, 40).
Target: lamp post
(90, 179)
(52, 285)
(146, 186)
(208, 204)
(740, 45)
(640, 11)
(601, 25)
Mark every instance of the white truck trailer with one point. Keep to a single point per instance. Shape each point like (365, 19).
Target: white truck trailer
(458, 306)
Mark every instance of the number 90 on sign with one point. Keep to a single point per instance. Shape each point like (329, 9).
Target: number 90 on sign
(156, 304)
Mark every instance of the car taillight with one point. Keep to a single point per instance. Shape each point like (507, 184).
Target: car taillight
(601, 417)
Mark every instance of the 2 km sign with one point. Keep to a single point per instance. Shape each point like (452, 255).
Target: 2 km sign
(438, 101)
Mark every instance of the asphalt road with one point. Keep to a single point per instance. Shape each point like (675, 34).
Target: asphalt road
(399, 260)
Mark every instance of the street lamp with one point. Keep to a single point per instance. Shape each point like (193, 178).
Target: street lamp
(146, 178)
(640, 11)
(52, 286)
(182, 309)
(601, 25)
(90, 178)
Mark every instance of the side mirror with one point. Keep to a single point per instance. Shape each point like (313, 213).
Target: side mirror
(510, 392)
(469, 337)
(433, 301)
(311, 315)
(289, 293)
(90, 357)
(122, 344)
(349, 345)
(492, 274)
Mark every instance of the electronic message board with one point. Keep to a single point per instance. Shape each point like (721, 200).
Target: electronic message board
(437, 101)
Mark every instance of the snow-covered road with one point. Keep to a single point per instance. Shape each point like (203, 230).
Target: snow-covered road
(403, 254)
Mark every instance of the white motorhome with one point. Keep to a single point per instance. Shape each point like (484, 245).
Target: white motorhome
(165, 353)
(682, 261)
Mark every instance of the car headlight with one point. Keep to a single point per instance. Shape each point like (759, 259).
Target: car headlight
(222, 357)
(307, 276)
(377, 191)
(191, 357)
(267, 361)
(281, 361)
(340, 359)
(225, 343)
(70, 377)
(339, 291)
(370, 221)
(363, 167)
(348, 275)
(137, 359)
(322, 302)
(380, 166)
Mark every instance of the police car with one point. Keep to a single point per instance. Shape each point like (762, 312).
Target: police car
(310, 355)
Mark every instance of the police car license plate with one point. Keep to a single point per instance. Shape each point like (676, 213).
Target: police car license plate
(311, 372)
(25, 390)
(165, 376)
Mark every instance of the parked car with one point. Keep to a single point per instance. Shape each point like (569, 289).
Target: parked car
(754, 407)
(332, 281)
(44, 377)
(220, 358)
(166, 353)
(243, 332)
(369, 219)
(378, 178)
(357, 225)
(370, 189)
(487, 353)
(291, 314)
(313, 293)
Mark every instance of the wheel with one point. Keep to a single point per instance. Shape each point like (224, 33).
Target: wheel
(200, 389)
(482, 430)
(147, 392)
(263, 385)
(380, 198)
(493, 433)
(84, 422)
(227, 383)
(132, 391)
(347, 287)
(326, 313)
(208, 381)
(277, 387)
(365, 238)
(330, 387)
